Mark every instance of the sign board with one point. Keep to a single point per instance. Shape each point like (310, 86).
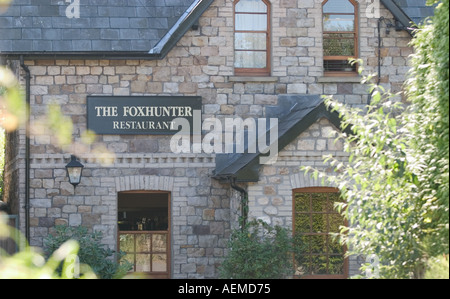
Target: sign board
(151, 115)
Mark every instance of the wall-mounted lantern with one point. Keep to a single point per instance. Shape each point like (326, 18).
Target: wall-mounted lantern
(74, 170)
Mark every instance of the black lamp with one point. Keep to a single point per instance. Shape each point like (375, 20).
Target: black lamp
(74, 170)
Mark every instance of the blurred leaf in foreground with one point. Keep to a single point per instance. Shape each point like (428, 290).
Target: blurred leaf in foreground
(12, 104)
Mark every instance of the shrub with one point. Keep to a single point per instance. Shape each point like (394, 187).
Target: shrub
(91, 252)
(258, 251)
(29, 263)
(437, 268)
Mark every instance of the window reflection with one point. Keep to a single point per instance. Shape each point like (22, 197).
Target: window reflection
(338, 6)
(315, 224)
(251, 36)
(251, 6)
(143, 229)
(340, 36)
(338, 22)
(146, 251)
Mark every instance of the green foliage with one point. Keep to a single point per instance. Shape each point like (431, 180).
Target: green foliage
(396, 181)
(13, 114)
(377, 184)
(11, 101)
(60, 124)
(316, 226)
(437, 268)
(2, 160)
(29, 263)
(92, 252)
(258, 251)
(12, 109)
(428, 91)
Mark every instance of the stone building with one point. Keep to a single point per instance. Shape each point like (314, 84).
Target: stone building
(106, 64)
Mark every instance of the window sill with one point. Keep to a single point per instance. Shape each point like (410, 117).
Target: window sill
(264, 79)
(339, 79)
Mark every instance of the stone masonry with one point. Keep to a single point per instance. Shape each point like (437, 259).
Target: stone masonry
(199, 213)
(203, 210)
(270, 199)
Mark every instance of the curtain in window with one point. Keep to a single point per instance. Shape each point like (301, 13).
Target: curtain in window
(251, 34)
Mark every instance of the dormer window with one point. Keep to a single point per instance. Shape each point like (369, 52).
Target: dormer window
(340, 36)
(251, 37)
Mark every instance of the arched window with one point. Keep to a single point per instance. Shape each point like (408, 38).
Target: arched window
(340, 36)
(314, 222)
(252, 37)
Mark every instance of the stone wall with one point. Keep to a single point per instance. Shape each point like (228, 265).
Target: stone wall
(270, 199)
(200, 65)
(200, 206)
(14, 170)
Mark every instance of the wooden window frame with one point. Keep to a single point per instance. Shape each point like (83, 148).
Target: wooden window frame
(355, 38)
(345, 265)
(254, 71)
(151, 252)
(158, 274)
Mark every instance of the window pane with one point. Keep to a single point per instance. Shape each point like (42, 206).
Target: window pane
(159, 263)
(338, 22)
(319, 252)
(250, 59)
(143, 242)
(302, 223)
(338, 66)
(250, 41)
(335, 221)
(247, 22)
(251, 6)
(338, 45)
(338, 6)
(318, 265)
(334, 247)
(159, 243)
(319, 223)
(317, 243)
(127, 242)
(129, 258)
(302, 202)
(142, 262)
(303, 265)
(319, 202)
(336, 264)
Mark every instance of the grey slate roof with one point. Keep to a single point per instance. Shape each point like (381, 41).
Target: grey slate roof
(120, 26)
(416, 10)
(295, 114)
(409, 13)
(103, 26)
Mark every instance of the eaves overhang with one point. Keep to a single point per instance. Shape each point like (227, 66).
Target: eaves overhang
(112, 55)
